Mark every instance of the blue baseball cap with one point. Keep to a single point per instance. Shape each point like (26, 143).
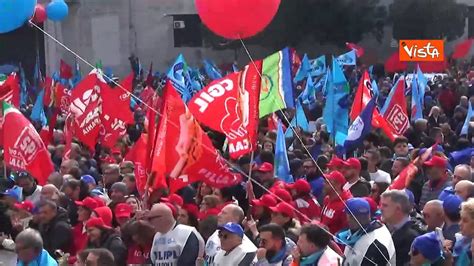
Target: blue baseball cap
(428, 245)
(358, 206)
(232, 228)
(411, 196)
(14, 192)
(452, 204)
(88, 179)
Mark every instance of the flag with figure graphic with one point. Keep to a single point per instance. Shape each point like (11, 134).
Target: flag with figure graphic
(276, 90)
(282, 165)
(360, 127)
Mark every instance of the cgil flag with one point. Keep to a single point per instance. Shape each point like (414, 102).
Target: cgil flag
(24, 150)
(282, 165)
(183, 153)
(360, 127)
(395, 109)
(230, 105)
(276, 91)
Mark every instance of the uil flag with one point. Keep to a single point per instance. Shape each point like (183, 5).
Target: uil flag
(395, 108)
(467, 121)
(416, 100)
(183, 152)
(360, 128)
(181, 79)
(230, 105)
(347, 59)
(24, 150)
(282, 165)
(318, 66)
(303, 70)
(86, 106)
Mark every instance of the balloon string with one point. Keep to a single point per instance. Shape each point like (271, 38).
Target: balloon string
(308, 152)
(210, 149)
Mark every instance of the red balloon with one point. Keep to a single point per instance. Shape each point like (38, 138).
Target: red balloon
(235, 19)
(40, 14)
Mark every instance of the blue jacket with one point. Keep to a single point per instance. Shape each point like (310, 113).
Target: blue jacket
(43, 259)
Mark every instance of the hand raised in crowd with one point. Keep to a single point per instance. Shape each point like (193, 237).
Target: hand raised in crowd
(261, 253)
(251, 225)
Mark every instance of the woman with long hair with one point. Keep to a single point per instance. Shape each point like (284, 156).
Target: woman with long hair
(101, 235)
(138, 237)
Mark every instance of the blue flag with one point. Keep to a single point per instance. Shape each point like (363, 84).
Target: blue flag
(347, 59)
(416, 105)
(465, 126)
(235, 68)
(37, 77)
(308, 95)
(180, 78)
(23, 87)
(282, 165)
(303, 70)
(421, 83)
(299, 120)
(318, 66)
(360, 128)
(212, 71)
(375, 89)
(37, 113)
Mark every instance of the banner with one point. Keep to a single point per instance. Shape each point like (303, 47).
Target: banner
(183, 152)
(395, 109)
(230, 106)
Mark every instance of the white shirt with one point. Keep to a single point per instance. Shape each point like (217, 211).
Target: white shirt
(234, 257)
(380, 177)
(213, 245)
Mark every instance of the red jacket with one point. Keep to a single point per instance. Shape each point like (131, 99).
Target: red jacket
(333, 215)
(79, 241)
(309, 207)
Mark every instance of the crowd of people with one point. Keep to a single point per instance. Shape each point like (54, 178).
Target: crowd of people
(339, 211)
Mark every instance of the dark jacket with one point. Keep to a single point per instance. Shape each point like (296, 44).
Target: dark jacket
(112, 242)
(402, 239)
(57, 234)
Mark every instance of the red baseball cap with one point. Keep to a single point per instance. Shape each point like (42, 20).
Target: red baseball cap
(97, 222)
(265, 167)
(301, 186)
(174, 199)
(211, 212)
(25, 205)
(283, 195)
(123, 210)
(353, 163)
(100, 202)
(336, 176)
(436, 161)
(283, 208)
(191, 209)
(116, 151)
(88, 203)
(335, 162)
(266, 200)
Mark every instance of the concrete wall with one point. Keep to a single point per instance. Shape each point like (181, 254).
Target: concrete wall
(111, 30)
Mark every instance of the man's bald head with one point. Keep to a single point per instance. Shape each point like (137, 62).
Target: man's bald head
(161, 217)
(50, 192)
(433, 214)
(231, 213)
(465, 189)
(55, 179)
(461, 172)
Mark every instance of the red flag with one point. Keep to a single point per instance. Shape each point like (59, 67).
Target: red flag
(116, 113)
(65, 70)
(405, 177)
(62, 98)
(361, 99)
(183, 152)
(48, 99)
(86, 107)
(230, 105)
(68, 134)
(10, 90)
(23, 147)
(462, 49)
(358, 49)
(137, 154)
(396, 112)
(272, 122)
(151, 129)
(393, 64)
(147, 96)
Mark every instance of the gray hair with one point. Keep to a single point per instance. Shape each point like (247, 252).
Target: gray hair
(465, 167)
(30, 238)
(399, 197)
(237, 212)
